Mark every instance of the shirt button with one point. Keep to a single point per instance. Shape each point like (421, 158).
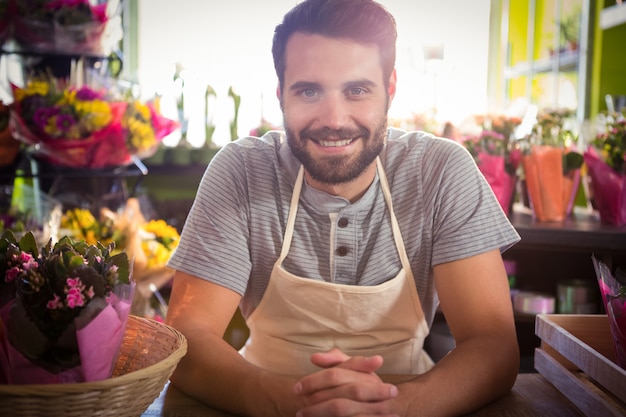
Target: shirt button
(343, 222)
(342, 251)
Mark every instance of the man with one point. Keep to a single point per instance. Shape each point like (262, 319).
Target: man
(338, 240)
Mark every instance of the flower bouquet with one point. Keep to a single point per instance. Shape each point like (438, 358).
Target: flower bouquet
(148, 244)
(606, 161)
(85, 127)
(63, 310)
(496, 156)
(24, 209)
(551, 167)
(79, 27)
(613, 290)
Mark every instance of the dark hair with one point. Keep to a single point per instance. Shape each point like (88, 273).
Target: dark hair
(363, 21)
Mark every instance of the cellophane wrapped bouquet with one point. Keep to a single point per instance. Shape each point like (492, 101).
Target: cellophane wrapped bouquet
(85, 126)
(24, 208)
(551, 166)
(605, 158)
(496, 155)
(613, 290)
(148, 243)
(63, 310)
(79, 27)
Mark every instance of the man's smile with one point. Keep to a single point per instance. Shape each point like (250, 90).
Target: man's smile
(335, 143)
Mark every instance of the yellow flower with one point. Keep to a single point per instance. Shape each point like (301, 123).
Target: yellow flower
(32, 88)
(95, 113)
(159, 240)
(82, 224)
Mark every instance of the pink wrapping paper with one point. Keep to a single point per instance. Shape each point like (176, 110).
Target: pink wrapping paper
(107, 147)
(615, 305)
(609, 189)
(104, 148)
(502, 184)
(98, 345)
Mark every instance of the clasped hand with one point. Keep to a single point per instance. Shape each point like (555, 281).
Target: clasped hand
(345, 386)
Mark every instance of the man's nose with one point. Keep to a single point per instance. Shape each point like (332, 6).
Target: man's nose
(334, 111)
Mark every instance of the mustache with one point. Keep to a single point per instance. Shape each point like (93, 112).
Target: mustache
(334, 134)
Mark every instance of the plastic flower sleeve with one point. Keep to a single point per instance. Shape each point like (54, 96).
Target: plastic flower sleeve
(99, 338)
(551, 192)
(609, 189)
(68, 313)
(614, 297)
(502, 184)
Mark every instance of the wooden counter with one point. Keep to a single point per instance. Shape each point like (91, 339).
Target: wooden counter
(532, 396)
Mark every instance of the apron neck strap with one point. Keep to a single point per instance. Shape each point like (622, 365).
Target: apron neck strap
(293, 208)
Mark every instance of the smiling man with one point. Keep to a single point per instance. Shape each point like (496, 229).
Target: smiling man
(338, 239)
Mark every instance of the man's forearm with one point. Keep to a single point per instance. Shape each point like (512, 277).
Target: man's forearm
(473, 374)
(218, 376)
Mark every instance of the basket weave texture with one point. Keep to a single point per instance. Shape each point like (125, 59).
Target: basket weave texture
(148, 356)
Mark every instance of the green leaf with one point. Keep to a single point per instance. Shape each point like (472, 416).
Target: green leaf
(29, 244)
(571, 161)
(123, 267)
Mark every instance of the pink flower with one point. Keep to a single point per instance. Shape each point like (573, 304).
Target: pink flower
(54, 303)
(27, 261)
(74, 298)
(73, 282)
(90, 293)
(11, 274)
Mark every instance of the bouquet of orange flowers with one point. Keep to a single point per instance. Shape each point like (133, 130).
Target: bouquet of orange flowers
(69, 26)
(85, 127)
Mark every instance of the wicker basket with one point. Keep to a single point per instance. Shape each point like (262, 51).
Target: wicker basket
(149, 354)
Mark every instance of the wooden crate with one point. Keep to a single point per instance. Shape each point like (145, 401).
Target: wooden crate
(578, 357)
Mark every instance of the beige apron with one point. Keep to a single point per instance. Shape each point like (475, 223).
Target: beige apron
(299, 316)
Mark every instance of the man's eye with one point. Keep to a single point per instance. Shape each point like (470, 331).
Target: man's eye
(357, 91)
(308, 93)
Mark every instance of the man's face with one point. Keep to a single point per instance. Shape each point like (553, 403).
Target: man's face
(335, 104)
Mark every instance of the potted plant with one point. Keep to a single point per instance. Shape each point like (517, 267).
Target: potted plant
(63, 310)
(496, 155)
(551, 166)
(605, 158)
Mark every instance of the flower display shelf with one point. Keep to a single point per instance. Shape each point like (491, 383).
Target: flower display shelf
(100, 186)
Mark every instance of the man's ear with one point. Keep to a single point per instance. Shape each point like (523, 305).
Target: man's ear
(279, 97)
(391, 90)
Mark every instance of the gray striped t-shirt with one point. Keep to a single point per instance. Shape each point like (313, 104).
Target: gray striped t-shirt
(234, 231)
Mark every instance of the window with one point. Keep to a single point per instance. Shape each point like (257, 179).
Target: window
(228, 44)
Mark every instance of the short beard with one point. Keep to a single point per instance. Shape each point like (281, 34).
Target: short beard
(338, 169)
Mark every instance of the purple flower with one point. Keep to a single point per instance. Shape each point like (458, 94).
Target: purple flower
(65, 121)
(87, 94)
(42, 115)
